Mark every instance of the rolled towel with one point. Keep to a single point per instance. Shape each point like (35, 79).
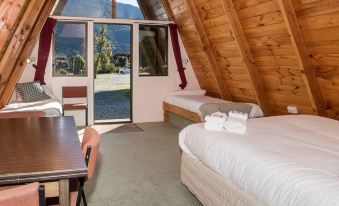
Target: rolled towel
(236, 125)
(216, 117)
(214, 126)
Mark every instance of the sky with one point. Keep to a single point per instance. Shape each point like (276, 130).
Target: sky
(132, 2)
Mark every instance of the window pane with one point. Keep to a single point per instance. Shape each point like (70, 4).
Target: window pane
(84, 8)
(128, 9)
(69, 57)
(125, 9)
(153, 55)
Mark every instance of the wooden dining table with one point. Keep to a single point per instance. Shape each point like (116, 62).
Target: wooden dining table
(44, 150)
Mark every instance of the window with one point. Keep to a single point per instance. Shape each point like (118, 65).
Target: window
(123, 9)
(69, 56)
(153, 50)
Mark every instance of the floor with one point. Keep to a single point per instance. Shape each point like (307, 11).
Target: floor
(139, 168)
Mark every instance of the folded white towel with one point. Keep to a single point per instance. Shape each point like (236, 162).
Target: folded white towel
(236, 125)
(239, 115)
(216, 117)
(214, 126)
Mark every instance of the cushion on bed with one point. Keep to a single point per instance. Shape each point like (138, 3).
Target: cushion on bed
(31, 91)
(189, 92)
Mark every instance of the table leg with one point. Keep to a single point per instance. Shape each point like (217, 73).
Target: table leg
(64, 192)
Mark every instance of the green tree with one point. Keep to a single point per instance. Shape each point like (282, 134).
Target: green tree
(77, 64)
(103, 52)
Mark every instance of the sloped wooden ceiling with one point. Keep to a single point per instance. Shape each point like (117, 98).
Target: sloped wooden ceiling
(21, 23)
(272, 52)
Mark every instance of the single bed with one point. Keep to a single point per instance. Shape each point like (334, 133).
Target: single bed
(188, 106)
(280, 161)
(51, 107)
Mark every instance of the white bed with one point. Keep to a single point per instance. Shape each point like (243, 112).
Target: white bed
(51, 107)
(193, 102)
(281, 161)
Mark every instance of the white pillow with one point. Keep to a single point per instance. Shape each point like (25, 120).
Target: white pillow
(189, 92)
(48, 90)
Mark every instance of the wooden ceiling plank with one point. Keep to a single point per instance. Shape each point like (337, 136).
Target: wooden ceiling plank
(10, 15)
(304, 60)
(246, 55)
(206, 45)
(32, 40)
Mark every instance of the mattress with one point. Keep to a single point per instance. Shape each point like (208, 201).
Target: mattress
(51, 107)
(281, 161)
(193, 103)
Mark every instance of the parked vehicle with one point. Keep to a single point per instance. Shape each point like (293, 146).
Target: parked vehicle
(124, 70)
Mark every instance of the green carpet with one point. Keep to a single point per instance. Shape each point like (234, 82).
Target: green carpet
(139, 169)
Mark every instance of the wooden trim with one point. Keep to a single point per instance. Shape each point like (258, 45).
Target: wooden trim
(168, 10)
(304, 61)
(180, 112)
(246, 55)
(13, 73)
(114, 9)
(206, 45)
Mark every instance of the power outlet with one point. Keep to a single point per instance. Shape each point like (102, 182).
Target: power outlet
(292, 110)
(185, 61)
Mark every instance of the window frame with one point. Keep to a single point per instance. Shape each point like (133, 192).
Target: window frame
(86, 49)
(166, 46)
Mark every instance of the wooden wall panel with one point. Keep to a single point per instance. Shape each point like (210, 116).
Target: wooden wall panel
(319, 23)
(22, 39)
(274, 54)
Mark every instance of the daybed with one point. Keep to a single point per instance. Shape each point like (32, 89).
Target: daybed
(51, 107)
(280, 161)
(187, 104)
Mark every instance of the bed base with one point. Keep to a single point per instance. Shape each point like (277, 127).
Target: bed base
(210, 188)
(194, 117)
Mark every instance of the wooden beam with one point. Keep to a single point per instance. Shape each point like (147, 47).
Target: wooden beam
(206, 45)
(246, 55)
(304, 60)
(60, 7)
(32, 28)
(10, 14)
(146, 11)
(168, 10)
(114, 9)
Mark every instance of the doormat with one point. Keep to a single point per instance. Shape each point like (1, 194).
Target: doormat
(129, 127)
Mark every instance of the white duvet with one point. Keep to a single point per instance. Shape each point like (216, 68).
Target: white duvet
(281, 161)
(193, 103)
(51, 107)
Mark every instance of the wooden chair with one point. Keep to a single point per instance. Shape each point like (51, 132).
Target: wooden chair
(75, 92)
(23, 114)
(90, 148)
(26, 195)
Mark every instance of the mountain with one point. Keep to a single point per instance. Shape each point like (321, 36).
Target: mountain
(119, 35)
(100, 8)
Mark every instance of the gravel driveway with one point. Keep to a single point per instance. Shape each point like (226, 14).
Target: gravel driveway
(112, 97)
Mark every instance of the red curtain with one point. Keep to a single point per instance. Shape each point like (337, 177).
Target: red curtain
(176, 48)
(44, 49)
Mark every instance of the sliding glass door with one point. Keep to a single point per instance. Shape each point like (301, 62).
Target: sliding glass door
(112, 72)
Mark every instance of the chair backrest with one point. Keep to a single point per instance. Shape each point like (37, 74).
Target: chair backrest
(23, 114)
(90, 143)
(74, 92)
(26, 195)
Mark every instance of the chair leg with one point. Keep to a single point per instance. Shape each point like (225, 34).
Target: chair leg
(84, 198)
(81, 193)
(86, 117)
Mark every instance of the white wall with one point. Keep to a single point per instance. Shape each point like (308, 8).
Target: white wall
(148, 92)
